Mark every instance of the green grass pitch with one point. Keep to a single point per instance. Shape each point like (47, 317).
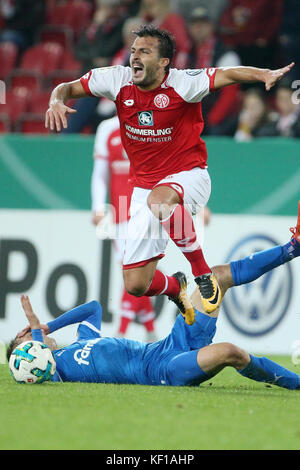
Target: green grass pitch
(227, 412)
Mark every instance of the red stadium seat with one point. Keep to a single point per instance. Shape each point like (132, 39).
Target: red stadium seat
(58, 14)
(62, 76)
(43, 58)
(25, 78)
(17, 102)
(87, 130)
(60, 34)
(39, 102)
(32, 123)
(70, 63)
(8, 58)
(37, 63)
(81, 15)
(5, 124)
(74, 13)
(71, 70)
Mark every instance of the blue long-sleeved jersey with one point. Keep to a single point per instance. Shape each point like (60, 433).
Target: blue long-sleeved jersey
(93, 358)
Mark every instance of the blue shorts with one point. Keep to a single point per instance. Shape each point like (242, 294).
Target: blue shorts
(173, 360)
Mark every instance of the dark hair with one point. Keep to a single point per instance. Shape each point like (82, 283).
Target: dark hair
(166, 41)
(12, 345)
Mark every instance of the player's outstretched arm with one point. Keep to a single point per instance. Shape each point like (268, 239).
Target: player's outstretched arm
(231, 75)
(56, 114)
(90, 312)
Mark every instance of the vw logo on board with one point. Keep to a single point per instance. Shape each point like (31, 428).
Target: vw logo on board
(256, 308)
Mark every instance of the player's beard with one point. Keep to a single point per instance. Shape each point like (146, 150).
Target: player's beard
(150, 76)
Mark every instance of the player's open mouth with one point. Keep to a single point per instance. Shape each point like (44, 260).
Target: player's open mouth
(138, 70)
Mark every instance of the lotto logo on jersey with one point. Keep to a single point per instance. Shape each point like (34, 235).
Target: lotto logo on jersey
(87, 75)
(145, 118)
(161, 101)
(129, 102)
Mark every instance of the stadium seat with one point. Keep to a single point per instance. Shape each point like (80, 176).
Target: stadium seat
(25, 78)
(32, 123)
(81, 15)
(62, 76)
(8, 58)
(5, 123)
(74, 14)
(87, 130)
(71, 70)
(60, 34)
(39, 102)
(36, 64)
(70, 63)
(17, 103)
(58, 14)
(43, 58)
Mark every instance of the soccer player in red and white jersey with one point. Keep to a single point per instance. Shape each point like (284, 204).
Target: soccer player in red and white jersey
(159, 109)
(111, 171)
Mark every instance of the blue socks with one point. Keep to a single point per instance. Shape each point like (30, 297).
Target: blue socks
(257, 264)
(262, 369)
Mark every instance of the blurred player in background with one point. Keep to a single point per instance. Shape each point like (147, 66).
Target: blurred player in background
(161, 121)
(110, 174)
(186, 356)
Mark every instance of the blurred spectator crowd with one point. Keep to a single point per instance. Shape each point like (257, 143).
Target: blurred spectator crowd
(46, 42)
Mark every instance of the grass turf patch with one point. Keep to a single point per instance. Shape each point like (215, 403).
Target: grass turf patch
(226, 412)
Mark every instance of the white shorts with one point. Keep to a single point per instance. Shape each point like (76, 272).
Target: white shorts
(119, 240)
(146, 239)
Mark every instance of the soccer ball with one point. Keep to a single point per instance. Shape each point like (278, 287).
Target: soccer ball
(32, 362)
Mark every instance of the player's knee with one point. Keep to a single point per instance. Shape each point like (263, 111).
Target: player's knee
(158, 207)
(136, 291)
(135, 286)
(233, 355)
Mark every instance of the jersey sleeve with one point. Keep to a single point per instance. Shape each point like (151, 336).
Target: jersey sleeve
(37, 335)
(91, 326)
(106, 81)
(192, 84)
(89, 316)
(100, 174)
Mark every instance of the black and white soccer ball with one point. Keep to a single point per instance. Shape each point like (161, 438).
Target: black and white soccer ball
(32, 362)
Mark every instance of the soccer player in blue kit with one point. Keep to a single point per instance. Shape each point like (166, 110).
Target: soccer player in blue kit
(185, 357)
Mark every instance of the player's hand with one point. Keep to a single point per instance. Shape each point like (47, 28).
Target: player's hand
(273, 76)
(23, 332)
(45, 329)
(33, 320)
(56, 116)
